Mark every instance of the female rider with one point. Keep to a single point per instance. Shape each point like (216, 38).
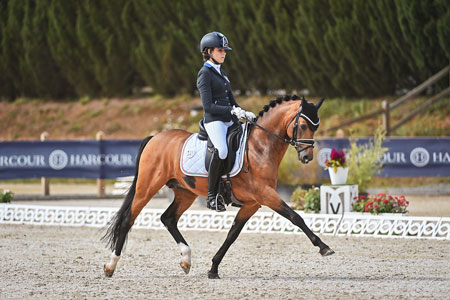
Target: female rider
(219, 106)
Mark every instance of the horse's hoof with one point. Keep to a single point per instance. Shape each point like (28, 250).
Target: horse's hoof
(185, 266)
(108, 272)
(212, 275)
(326, 251)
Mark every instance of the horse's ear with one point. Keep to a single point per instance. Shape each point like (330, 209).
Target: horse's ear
(319, 103)
(303, 102)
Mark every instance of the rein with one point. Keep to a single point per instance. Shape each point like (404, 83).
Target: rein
(296, 143)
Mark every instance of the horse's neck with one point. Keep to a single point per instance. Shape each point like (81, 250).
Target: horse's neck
(267, 149)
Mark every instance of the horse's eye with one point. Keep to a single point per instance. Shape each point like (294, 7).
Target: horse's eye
(303, 127)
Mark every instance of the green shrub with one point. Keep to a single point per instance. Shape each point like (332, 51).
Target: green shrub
(6, 196)
(84, 100)
(297, 198)
(364, 161)
(312, 200)
(309, 200)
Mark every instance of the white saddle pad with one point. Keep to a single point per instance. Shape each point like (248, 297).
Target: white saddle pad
(192, 162)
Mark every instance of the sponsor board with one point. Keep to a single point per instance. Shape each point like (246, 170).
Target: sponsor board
(406, 157)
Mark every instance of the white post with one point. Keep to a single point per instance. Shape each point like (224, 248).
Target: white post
(100, 182)
(45, 184)
(385, 117)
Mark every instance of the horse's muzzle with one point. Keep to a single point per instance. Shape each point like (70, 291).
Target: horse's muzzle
(305, 156)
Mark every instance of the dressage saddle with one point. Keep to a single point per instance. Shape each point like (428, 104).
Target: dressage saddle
(234, 135)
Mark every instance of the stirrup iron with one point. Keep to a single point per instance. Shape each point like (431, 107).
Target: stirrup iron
(220, 198)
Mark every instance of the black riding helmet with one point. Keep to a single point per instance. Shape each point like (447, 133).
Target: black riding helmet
(213, 40)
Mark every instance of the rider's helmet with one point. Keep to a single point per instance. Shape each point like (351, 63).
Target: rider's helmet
(213, 40)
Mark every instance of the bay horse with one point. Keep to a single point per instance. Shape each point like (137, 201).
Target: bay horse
(284, 121)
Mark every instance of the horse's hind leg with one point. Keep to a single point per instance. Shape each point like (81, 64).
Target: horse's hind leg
(141, 191)
(183, 200)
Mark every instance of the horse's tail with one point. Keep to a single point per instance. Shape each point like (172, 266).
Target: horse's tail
(121, 220)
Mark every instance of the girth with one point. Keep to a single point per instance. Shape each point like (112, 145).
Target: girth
(234, 135)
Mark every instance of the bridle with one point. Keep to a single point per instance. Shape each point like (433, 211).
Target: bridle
(296, 143)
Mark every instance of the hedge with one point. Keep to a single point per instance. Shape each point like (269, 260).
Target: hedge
(352, 48)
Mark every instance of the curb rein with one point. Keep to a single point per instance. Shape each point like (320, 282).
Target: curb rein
(296, 143)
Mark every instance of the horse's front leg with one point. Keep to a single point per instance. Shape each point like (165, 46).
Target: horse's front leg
(274, 201)
(243, 215)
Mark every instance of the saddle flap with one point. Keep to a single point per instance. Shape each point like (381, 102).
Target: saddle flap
(192, 160)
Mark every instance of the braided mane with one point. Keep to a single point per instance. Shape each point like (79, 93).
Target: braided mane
(277, 101)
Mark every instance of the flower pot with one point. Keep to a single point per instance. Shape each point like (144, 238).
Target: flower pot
(338, 177)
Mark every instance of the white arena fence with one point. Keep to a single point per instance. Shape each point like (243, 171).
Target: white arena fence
(351, 224)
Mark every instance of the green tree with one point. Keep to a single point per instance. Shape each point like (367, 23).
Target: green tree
(100, 31)
(42, 75)
(101, 41)
(417, 21)
(11, 47)
(443, 26)
(152, 43)
(310, 44)
(387, 43)
(7, 89)
(66, 48)
(52, 48)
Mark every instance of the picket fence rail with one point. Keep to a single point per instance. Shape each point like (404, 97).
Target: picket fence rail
(389, 225)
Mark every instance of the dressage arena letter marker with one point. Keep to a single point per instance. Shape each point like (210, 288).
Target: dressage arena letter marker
(335, 211)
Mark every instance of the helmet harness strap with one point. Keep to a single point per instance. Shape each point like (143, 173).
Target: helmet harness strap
(210, 57)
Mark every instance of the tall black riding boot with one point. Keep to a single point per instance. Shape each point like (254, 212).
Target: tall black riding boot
(215, 200)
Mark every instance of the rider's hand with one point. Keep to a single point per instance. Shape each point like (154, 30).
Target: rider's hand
(250, 116)
(238, 112)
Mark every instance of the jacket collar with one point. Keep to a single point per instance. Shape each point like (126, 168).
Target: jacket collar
(210, 66)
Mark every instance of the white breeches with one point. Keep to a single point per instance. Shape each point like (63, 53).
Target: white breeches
(217, 132)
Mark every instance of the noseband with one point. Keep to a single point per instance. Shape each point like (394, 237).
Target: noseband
(296, 143)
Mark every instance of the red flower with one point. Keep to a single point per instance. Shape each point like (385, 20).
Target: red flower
(342, 156)
(368, 206)
(334, 155)
(337, 159)
(381, 203)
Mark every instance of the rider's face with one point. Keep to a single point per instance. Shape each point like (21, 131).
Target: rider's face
(218, 54)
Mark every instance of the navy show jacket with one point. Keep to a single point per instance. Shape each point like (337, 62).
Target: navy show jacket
(215, 92)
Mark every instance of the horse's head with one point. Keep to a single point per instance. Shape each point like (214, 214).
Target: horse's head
(301, 126)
